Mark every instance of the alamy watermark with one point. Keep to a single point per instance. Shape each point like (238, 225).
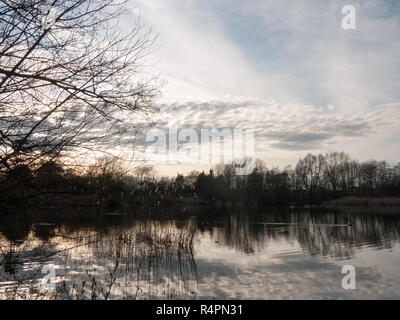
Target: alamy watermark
(203, 146)
(349, 280)
(49, 16)
(349, 19)
(48, 281)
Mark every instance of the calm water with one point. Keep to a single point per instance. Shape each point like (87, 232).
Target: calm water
(235, 254)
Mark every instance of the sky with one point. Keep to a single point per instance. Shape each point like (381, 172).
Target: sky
(286, 69)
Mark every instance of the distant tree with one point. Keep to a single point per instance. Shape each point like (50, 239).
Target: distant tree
(192, 177)
(335, 165)
(201, 184)
(179, 183)
(144, 172)
(309, 170)
(351, 175)
(368, 175)
(205, 186)
(107, 167)
(255, 183)
(50, 174)
(21, 173)
(228, 171)
(396, 179)
(277, 186)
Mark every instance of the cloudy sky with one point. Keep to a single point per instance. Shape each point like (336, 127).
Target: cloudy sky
(285, 68)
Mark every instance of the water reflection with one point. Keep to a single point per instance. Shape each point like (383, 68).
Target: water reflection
(127, 257)
(334, 233)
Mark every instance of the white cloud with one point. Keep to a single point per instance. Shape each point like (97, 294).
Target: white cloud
(285, 132)
(303, 82)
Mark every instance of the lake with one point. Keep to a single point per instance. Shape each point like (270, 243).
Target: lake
(240, 253)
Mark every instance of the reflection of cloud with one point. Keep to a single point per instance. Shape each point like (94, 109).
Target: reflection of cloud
(270, 274)
(284, 263)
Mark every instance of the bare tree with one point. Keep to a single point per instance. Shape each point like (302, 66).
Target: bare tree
(107, 166)
(352, 175)
(335, 163)
(368, 174)
(227, 170)
(71, 81)
(144, 171)
(309, 171)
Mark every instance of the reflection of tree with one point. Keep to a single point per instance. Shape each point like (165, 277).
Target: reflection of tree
(15, 228)
(155, 260)
(317, 232)
(124, 257)
(238, 234)
(20, 266)
(134, 259)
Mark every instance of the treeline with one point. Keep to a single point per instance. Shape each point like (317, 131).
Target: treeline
(54, 184)
(313, 180)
